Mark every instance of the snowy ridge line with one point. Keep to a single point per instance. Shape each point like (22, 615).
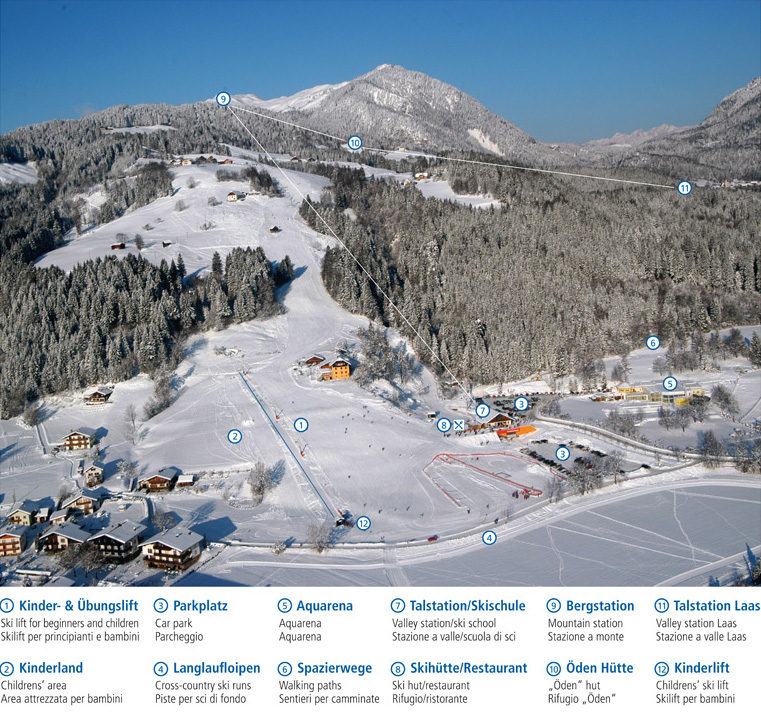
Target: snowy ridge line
(353, 257)
(288, 447)
(461, 160)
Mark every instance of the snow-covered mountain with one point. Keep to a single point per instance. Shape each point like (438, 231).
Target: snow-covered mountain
(391, 106)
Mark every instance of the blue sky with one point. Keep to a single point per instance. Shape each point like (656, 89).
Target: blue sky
(563, 71)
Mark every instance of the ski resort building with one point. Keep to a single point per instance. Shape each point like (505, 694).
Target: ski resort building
(82, 439)
(119, 542)
(162, 481)
(339, 369)
(12, 541)
(102, 394)
(58, 537)
(60, 516)
(173, 549)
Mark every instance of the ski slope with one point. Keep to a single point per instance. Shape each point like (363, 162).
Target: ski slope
(361, 453)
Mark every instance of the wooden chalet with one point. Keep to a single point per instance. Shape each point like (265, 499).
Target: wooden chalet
(93, 474)
(58, 537)
(185, 480)
(102, 394)
(43, 514)
(173, 549)
(118, 246)
(226, 161)
(315, 360)
(162, 481)
(119, 542)
(501, 421)
(25, 514)
(187, 161)
(12, 540)
(82, 439)
(85, 502)
(234, 196)
(422, 176)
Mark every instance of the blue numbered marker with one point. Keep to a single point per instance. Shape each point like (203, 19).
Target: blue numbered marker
(521, 404)
(661, 669)
(397, 669)
(284, 605)
(562, 453)
(235, 436)
(482, 410)
(554, 605)
(553, 669)
(223, 99)
(661, 605)
(6, 605)
(444, 425)
(300, 424)
(653, 342)
(354, 142)
(284, 669)
(160, 605)
(489, 537)
(397, 605)
(669, 383)
(363, 523)
(684, 187)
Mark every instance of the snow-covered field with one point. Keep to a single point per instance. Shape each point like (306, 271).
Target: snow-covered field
(23, 173)
(360, 453)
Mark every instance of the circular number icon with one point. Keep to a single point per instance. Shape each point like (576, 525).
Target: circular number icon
(553, 668)
(300, 424)
(562, 453)
(553, 605)
(6, 605)
(161, 669)
(284, 605)
(669, 383)
(223, 99)
(160, 605)
(363, 523)
(397, 669)
(235, 436)
(354, 142)
(661, 605)
(661, 669)
(285, 669)
(489, 537)
(444, 425)
(653, 342)
(521, 404)
(482, 410)
(397, 605)
(684, 187)
(6, 669)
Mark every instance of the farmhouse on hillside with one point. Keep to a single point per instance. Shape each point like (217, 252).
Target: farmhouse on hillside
(119, 542)
(85, 502)
(94, 474)
(173, 549)
(162, 481)
(101, 395)
(12, 540)
(58, 537)
(25, 514)
(82, 439)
